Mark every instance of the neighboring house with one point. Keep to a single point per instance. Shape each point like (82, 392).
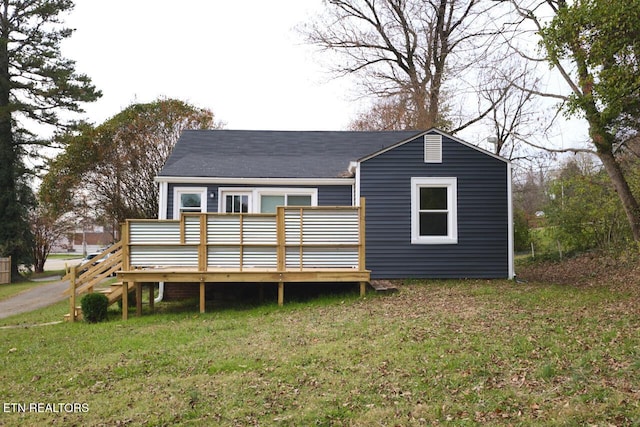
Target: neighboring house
(436, 206)
(91, 239)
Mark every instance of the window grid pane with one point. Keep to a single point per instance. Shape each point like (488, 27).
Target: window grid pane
(433, 224)
(298, 200)
(433, 198)
(268, 204)
(229, 204)
(433, 214)
(190, 200)
(236, 203)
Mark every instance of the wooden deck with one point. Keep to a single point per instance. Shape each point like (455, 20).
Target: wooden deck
(294, 245)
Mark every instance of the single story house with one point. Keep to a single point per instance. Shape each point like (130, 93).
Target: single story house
(436, 206)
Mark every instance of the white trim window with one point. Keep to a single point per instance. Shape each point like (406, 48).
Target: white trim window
(434, 216)
(265, 199)
(236, 202)
(269, 199)
(189, 199)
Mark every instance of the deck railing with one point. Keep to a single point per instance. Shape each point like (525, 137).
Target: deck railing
(292, 239)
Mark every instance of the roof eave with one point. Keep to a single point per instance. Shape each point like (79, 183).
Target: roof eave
(253, 181)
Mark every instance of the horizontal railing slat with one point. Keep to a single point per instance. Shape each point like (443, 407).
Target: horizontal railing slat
(328, 237)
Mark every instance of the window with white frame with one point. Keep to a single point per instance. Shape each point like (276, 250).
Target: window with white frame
(189, 199)
(269, 202)
(265, 199)
(236, 202)
(434, 217)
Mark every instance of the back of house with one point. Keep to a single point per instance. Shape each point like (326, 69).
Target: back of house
(436, 206)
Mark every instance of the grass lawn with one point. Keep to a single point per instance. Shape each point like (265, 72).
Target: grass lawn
(440, 352)
(70, 255)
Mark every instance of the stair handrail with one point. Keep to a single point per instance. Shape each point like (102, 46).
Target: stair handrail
(81, 281)
(112, 262)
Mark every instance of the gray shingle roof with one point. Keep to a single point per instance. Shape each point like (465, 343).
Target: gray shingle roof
(273, 154)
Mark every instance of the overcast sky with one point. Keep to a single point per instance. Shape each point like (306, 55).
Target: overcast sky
(243, 59)
(240, 58)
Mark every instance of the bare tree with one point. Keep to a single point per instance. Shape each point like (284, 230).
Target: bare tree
(515, 111)
(405, 51)
(384, 114)
(47, 228)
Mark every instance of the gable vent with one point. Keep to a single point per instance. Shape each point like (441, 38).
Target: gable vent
(433, 148)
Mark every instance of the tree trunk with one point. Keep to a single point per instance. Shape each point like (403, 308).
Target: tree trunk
(629, 202)
(38, 267)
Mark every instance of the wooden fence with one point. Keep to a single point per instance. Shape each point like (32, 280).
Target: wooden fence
(5, 270)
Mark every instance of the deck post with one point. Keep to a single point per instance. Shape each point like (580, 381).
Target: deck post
(202, 249)
(281, 253)
(202, 297)
(125, 300)
(241, 237)
(363, 289)
(361, 232)
(124, 231)
(72, 297)
(139, 299)
(151, 296)
(280, 294)
(126, 266)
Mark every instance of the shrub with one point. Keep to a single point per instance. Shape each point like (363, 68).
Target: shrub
(94, 307)
(521, 231)
(584, 211)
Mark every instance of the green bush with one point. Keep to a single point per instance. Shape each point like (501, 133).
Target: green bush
(585, 213)
(521, 231)
(94, 307)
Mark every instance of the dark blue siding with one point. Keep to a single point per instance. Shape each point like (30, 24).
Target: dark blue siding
(335, 195)
(328, 195)
(482, 248)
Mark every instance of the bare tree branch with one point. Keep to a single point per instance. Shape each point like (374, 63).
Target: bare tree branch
(406, 48)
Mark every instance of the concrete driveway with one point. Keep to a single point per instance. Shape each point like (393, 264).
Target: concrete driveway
(33, 299)
(39, 296)
(58, 264)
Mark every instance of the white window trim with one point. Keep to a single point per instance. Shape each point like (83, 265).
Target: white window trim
(176, 198)
(256, 192)
(451, 185)
(163, 193)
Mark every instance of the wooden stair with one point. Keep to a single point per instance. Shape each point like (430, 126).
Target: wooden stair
(78, 314)
(114, 291)
(383, 286)
(85, 278)
(113, 294)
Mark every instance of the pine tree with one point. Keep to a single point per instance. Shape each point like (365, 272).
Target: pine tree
(36, 84)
